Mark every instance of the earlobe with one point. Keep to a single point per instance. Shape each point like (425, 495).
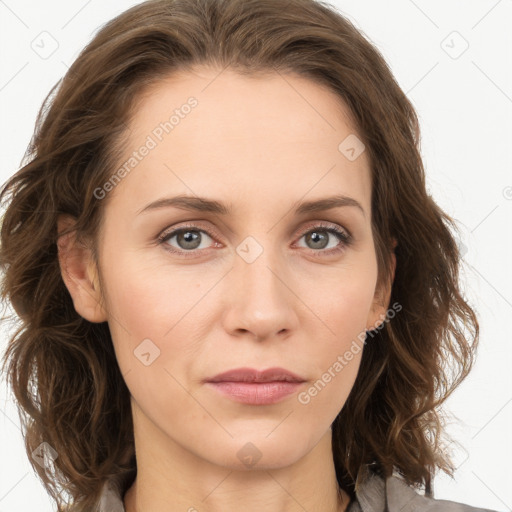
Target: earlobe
(79, 273)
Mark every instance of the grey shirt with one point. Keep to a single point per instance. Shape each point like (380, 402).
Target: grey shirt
(375, 495)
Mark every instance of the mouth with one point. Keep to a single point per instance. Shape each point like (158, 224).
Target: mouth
(254, 387)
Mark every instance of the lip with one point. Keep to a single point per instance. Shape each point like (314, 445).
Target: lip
(255, 387)
(252, 375)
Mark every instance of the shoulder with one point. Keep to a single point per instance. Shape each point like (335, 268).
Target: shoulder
(401, 496)
(394, 495)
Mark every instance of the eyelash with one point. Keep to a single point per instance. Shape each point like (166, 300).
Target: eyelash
(343, 236)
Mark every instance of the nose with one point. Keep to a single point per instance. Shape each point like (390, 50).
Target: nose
(259, 299)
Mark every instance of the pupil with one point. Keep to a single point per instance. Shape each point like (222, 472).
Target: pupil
(317, 238)
(190, 237)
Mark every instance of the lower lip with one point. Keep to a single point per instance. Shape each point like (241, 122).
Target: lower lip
(257, 393)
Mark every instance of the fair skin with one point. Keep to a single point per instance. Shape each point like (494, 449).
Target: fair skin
(257, 146)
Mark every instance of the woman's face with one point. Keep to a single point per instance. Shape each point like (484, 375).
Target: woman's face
(253, 281)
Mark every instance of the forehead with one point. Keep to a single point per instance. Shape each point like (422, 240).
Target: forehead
(217, 133)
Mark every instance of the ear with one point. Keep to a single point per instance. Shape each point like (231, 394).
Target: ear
(382, 297)
(79, 273)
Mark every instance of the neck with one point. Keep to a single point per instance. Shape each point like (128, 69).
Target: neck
(169, 477)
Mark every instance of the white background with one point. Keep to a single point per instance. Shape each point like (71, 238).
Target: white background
(464, 101)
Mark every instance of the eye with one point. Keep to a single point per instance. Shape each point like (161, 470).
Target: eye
(317, 239)
(190, 238)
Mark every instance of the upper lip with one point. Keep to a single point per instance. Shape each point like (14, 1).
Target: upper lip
(252, 375)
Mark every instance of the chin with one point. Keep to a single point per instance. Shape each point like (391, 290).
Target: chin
(260, 451)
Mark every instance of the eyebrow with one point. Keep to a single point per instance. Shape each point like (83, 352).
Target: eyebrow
(202, 204)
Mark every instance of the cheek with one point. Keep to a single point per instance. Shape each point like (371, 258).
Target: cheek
(344, 308)
(149, 324)
(143, 306)
(336, 358)
(343, 302)
(150, 298)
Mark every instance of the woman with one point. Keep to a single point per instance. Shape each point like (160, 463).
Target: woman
(233, 285)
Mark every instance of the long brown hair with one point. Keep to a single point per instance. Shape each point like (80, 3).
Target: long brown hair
(62, 368)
